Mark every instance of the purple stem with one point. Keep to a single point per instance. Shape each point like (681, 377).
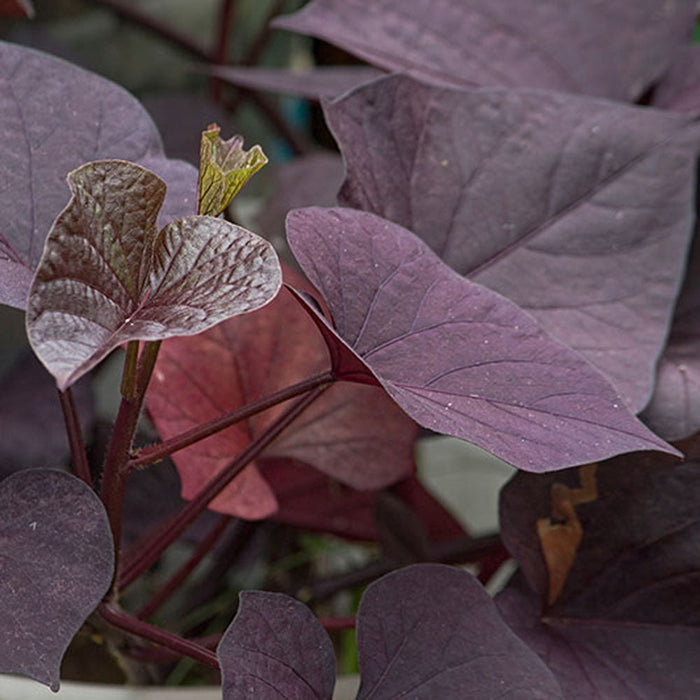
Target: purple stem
(167, 534)
(81, 467)
(179, 442)
(133, 625)
(189, 513)
(173, 583)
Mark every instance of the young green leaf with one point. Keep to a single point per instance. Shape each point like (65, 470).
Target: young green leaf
(107, 276)
(224, 167)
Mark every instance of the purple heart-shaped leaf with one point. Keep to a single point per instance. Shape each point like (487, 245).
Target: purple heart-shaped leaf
(432, 631)
(56, 563)
(542, 197)
(275, 648)
(457, 357)
(89, 118)
(608, 49)
(107, 276)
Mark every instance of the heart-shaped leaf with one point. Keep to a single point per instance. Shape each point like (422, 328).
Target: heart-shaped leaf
(56, 563)
(355, 434)
(626, 623)
(90, 118)
(275, 648)
(609, 49)
(431, 631)
(326, 81)
(107, 276)
(542, 197)
(224, 167)
(458, 358)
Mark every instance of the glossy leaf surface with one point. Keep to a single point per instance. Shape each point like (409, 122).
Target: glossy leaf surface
(542, 197)
(275, 649)
(612, 50)
(458, 358)
(431, 631)
(627, 622)
(90, 118)
(56, 563)
(107, 276)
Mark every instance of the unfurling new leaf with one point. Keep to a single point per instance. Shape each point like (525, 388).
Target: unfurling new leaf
(224, 167)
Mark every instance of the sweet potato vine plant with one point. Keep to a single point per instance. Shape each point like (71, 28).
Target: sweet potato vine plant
(505, 267)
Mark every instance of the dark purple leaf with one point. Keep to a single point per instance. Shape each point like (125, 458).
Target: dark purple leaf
(275, 648)
(545, 198)
(627, 622)
(326, 81)
(56, 117)
(33, 428)
(600, 659)
(107, 276)
(56, 563)
(431, 631)
(680, 87)
(674, 409)
(608, 49)
(458, 358)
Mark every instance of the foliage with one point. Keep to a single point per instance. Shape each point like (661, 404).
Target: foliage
(510, 262)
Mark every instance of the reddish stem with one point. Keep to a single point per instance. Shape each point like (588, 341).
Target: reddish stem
(81, 467)
(220, 53)
(184, 647)
(189, 513)
(179, 442)
(336, 624)
(174, 582)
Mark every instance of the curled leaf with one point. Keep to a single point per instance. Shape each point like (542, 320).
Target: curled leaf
(224, 167)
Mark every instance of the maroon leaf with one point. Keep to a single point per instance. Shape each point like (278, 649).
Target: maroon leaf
(275, 648)
(326, 81)
(33, 428)
(56, 563)
(542, 197)
(355, 434)
(458, 358)
(107, 276)
(89, 118)
(674, 409)
(17, 8)
(431, 631)
(627, 623)
(608, 49)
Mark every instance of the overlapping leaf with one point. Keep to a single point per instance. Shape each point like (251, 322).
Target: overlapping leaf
(626, 623)
(56, 563)
(89, 118)
(355, 434)
(455, 356)
(275, 648)
(107, 276)
(431, 631)
(613, 50)
(545, 198)
(680, 87)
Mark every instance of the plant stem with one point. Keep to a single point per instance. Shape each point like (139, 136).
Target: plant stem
(128, 385)
(335, 624)
(172, 584)
(115, 472)
(81, 467)
(220, 53)
(128, 623)
(189, 513)
(179, 442)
